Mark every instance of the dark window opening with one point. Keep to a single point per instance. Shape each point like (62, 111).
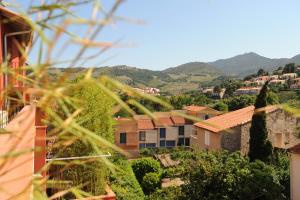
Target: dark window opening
(180, 142)
(162, 143)
(181, 130)
(162, 133)
(171, 143)
(122, 138)
(142, 135)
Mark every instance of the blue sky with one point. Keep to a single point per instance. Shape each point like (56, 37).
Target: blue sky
(180, 31)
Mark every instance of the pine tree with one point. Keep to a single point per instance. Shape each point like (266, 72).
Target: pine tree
(260, 148)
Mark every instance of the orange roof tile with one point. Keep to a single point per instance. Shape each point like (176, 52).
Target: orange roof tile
(195, 108)
(145, 124)
(231, 119)
(163, 121)
(178, 120)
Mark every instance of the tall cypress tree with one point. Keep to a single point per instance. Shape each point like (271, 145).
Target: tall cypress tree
(260, 148)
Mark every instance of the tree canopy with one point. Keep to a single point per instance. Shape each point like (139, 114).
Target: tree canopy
(259, 147)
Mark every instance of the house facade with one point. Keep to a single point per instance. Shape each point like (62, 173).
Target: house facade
(295, 172)
(22, 129)
(167, 129)
(231, 131)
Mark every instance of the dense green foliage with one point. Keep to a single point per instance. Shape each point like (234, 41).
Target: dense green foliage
(272, 98)
(151, 182)
(221, 106)
(289, 68)
(259, 147)
(239, 102)
(231, 176)
(91, 100)
(231, 86)
(179, 101)
(123, 181)
(143, 166)
(170, 193)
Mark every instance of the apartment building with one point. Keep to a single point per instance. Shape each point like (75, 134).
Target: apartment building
(167, 129)
(231, 131)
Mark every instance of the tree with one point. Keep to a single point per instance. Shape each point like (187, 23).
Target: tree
(262, 72)
(143, 166)
(94, 101)
(217, 89)
(260, 148)
(151, 182)
(239, 102)
(88, 97)
(249, 77)
(272, 98)
(220, 106)
(123, 181)
(289, 68)
(231, 86)
(224, 175)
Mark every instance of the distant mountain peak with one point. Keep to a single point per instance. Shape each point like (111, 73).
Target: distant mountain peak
(250, 62)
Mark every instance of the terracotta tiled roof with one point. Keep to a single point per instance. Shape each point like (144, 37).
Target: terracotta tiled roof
(163, 121)
(145, 124)
(195, 108)
(231, 119)
(178, 120)
(295, 149)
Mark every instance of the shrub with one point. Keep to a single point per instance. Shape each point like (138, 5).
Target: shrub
(239, 102)
(151, 182)
(231, 176)
(220, 106)
(143, 166)
(172, 193)
(124, 183)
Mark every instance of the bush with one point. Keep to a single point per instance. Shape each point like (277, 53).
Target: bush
(220, 106)
(124, 183)
(222, 175)
(239, 102)
(170, 193)
(151, 182)
(143, 166)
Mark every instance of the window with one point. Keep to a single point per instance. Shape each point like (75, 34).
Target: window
(122, 138)
(207, 138)
(150, 145)
(170, 143)
(142, 135)
(180, 142)
(181, 130)
(187, 142)
(206, 117)
(142, 145)
(162, 132)
(162, 143)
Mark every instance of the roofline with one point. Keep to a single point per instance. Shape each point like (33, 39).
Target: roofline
(217, 127)
(16, 17)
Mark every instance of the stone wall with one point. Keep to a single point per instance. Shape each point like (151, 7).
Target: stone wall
(231, 140)
(281, 131)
